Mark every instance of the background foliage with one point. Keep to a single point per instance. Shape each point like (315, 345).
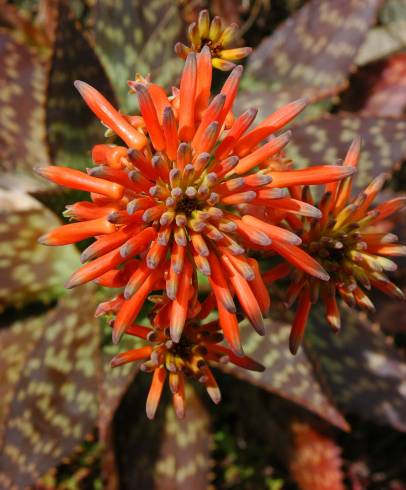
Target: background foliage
(66, 419)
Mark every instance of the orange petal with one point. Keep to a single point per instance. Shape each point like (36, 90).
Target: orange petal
(299, 258)
(246, 298)
(275, 233)
(180, 304)
(219, 284)
(240, 125)
(187, 98)
(96, 268)
(75, 232)
(170, 133)
(150, 116)
(131, 356)
(300, 321)
(131, 308)
(229, 325)
(204, 76)
(155, 391)
(318, 174)
(111, 155)
(110, 116)
(261, 154)
(69, 177)
(259, 288)
(270, 125)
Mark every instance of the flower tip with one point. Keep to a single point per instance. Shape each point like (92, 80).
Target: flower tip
(43, 239)
(81, 87)
(40, 171)
(116, 335)
(176, 333)
(150, 412)
(115, 361)
(294, 344)
(71, 282)
(322, 274)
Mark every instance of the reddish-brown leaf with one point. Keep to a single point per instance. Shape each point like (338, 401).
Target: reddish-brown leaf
(16, 343)
(364, 372)
(22, 107)
(55, 400)
(291, 377)
(184, 460)
(30, 271)
(313, 50)
(72, 127)
(133, 36)
(327, 139)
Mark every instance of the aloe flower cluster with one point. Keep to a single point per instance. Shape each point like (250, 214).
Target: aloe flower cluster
(186, 193)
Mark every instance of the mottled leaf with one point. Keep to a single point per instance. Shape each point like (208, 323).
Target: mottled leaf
(16, 343)
(184, 460)
(55, 401)
(288, 376)
(365, 373)
(393, 17)
(314, 50)
(135, 36)
(327, 139)
(114, 381)
(379, 43)
(22, 107)
(72, 127)
(30, 271)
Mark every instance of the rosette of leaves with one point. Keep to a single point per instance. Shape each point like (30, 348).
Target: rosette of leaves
(56, 383)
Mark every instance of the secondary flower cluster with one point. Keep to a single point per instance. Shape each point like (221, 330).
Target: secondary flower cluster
(183, 196)
(352, 243)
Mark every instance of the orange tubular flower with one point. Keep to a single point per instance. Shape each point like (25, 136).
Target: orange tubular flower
(352, 244)
(191, 357)
(217, 38)
(169, 204)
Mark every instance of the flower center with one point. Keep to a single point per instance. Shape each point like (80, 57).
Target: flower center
(187, 205)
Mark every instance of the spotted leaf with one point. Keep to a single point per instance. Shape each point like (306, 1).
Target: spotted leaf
(314, 50)
(114, 381)
(16, 343)
(327, 139)
(29, 271)
(72, 128)
(135, 36)
(365, 373)
(291, 377)
(184, 459)
(55, 400)
(22, 106)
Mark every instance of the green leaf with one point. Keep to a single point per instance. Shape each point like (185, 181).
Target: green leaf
(314, 50)
(290, 377)
(184, 459)
(30, 271)
(22, 106)
(55, 400)
(135, 36)
(364, 372)
(72, 127)
(325, 140)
